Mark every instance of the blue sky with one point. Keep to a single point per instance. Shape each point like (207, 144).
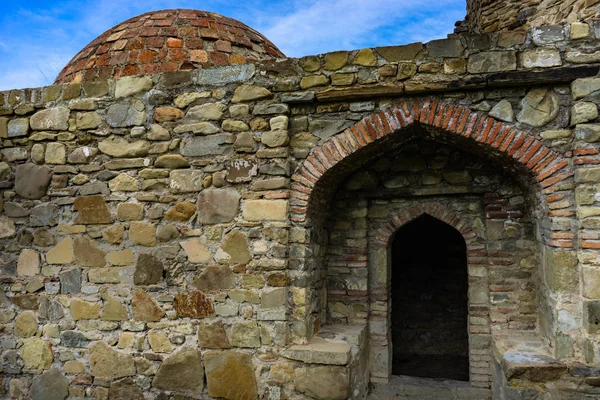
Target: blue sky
(39, 37)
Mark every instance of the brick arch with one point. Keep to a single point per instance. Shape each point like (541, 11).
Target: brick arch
(384, 234)
(546, 167)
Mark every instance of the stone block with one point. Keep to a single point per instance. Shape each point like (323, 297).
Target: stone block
(444, 48)
(540, 58)
(56, 118)
(108, 363)
(230, 375)
(320, 351)
(492, 61)
(131, 85)
(181, 372)
(265, 210)
(217, 206)
(324, 383)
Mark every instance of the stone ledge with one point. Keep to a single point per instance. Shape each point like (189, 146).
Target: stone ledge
(527, 357)
(320, 351)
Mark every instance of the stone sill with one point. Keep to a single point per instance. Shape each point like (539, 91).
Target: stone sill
(525, 356)
(335, 345)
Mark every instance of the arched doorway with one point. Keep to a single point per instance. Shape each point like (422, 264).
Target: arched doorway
(429, 301)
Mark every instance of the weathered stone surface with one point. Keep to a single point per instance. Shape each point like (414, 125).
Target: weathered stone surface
(583, 112)
(365, 57)
(245, 334)
(31, 181)
(70, 281)
(37, 354)
(540, 58)
(503, 111)
(196, 252)
(234, 249)
(44, 215)
(181, 372)
(126, 113)
(217, 206)
(193, 305)
(226, 74)
(51, 385)
(587, 132)
(182, 211)
(207, 145)
(275, 138)
(171, 161)
(230, 125)
(123, 183)
(241, 170)
(207, 112)
(320, 351)
(144, 308)
(230, 375)
(331, 383)
(88, 120)
(130, 211)
(186, 181)
(56, 153)
(118, 147)
(7, 228)
(591, 283)
(311, 81)
(185, 99)
(25, 325)
(336, 60)
(212, 335)
(92, 210)
(148, 270)
(28, 263)
(157, 132)
(53, 119)
(164, 114)
(199, 128)
(584, 87)
(245, 93)
(445, 48)
(548, 34)
(88, 254)
(215, 278)
(267, 210)
(73, 339)
(129, 85)
(108, 363)
(167, 232)
(401, 53)
(62, 253)
(14, 154)
(18, 127)
(561, 270)
(159, 342)
(495, 61)
(125, 389)
(113, 309)
(84, 310)
(325, 128)
(142, 233)
(538, 108)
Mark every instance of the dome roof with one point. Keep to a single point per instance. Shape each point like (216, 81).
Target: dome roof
(166, 41)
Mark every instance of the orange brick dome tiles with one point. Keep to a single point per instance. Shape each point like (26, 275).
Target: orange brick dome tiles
(167, 41)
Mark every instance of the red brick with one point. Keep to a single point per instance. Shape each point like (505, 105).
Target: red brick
(358, 136)
(538, 157)
(551, 170)
(448, 116)
(508, 140)
(586, 161)
(473, 121)
(421, 115)
(523, 149)
(516, 145)
(585, 151)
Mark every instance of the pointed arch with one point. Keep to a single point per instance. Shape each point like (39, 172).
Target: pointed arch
(546, 167)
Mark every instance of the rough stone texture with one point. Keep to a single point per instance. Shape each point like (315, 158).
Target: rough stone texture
(539, 107)
(51, 385)
(230, 375)
(125, 389)
(88, 254)
(31, 181)
(196, 252)
(37, 354)
(234, 249)
(217, 206)
(28, 263)
(181, 211)
(193, 305)
(148, 270)
(144, 308)
(92, 210)
(106, 362)
(25, 325)
(181, 372)
(268, 210)
(330, 383)
(212, 335)
(56, 119)
(215, 278)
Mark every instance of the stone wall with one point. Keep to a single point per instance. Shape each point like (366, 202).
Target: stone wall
(168, 234)
(501, 15)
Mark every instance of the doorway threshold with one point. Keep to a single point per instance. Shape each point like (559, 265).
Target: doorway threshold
(412, 388)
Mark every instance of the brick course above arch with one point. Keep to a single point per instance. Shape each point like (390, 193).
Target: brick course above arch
(546, 166)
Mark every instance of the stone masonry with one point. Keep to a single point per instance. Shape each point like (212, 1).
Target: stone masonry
(224, 231)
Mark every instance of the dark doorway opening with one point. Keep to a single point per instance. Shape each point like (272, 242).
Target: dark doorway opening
(429, 301)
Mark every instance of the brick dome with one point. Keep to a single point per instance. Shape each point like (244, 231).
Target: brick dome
(166, 41)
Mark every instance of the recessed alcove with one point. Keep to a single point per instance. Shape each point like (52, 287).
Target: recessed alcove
(429, 301)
